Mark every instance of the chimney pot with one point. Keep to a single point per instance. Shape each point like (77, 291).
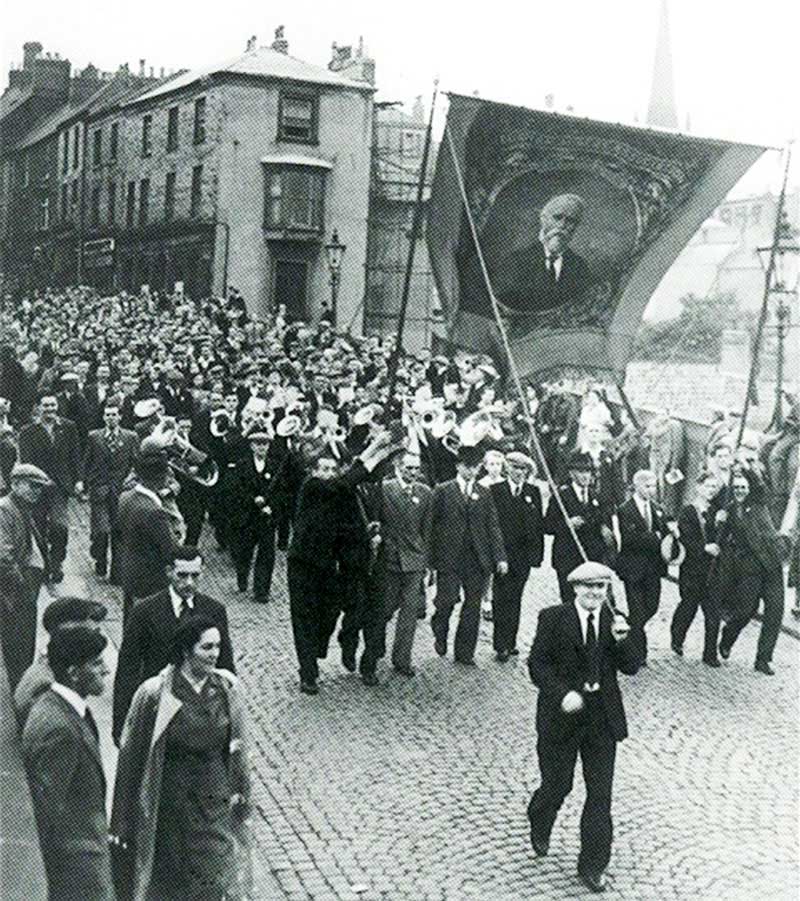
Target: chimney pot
(151, 71)
(161, 72)
(141, 67)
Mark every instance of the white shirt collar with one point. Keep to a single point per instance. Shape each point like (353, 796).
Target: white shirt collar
(515, 489)
(642, 504)
(583, 616)
(147, 492)
(178, 602)
(260, 465)
(71, 697)
(580, 492)
(463, 484)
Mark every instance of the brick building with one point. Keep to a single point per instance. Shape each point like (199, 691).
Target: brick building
(234, 174)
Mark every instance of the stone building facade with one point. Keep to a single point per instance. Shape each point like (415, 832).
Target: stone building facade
(232, 175)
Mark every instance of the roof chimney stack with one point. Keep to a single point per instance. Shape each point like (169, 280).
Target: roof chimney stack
(280, 44)
(251, 43)
(30, 50)
(141, 68)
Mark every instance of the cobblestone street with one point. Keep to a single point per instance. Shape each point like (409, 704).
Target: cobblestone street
(418, 789)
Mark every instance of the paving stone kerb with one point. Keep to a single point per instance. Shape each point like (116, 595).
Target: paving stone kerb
(417, 789)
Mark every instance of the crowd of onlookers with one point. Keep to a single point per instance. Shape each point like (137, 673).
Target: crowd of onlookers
(391, 480)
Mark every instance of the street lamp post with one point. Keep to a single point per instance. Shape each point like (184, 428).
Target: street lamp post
(335, 250)
(784, 287)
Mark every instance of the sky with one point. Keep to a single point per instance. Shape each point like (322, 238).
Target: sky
(736, 65)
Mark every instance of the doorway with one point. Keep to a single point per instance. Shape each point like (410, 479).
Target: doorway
(290, 288)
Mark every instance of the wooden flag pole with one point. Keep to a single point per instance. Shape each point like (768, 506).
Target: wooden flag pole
(416, 224)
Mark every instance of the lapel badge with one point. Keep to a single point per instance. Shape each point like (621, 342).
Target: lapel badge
(414, 499)
(528, 499)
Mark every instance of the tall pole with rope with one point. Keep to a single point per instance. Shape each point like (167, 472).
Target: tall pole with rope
(416, 225)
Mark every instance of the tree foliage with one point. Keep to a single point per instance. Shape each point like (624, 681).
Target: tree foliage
(695, 334)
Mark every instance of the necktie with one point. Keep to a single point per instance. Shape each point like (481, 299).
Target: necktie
(591, 650)
(89, 720)
(466, 490)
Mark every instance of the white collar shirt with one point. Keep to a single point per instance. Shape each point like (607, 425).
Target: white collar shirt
(71, 697)
(178, 602)
(464, 486)
(555, 263)
(583, 617)
(581, 493)
(645, 508)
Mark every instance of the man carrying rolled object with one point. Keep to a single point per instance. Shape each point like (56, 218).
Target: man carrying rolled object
(576, 654)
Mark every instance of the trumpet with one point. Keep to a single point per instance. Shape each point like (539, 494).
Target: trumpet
(477, 427)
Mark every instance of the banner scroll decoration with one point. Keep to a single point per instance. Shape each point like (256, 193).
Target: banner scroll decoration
(578, 221)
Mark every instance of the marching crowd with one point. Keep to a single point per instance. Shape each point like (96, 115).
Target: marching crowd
(386, 478)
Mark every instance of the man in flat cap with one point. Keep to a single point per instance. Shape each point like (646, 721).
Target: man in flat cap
(574, 660)
(65, 612)
(465, 548)
(519, 509)
(52, 444)
(61, 751)
(548, 274)
(22, 567)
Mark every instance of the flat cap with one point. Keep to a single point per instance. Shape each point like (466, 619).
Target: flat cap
(590, 572)
(75, 645)
(517, 458)
(70, 377)
(31, 473)
(71, 609)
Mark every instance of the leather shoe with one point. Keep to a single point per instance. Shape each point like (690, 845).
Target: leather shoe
(440, 645)
(677, 649)
(309, 688)
(762, 666)
(464, 661)
(595, 882)
(502, 656)
(712, 662)
(405, 670)
(514, 652)
(724, 651)
(349, 660)
(370, 679)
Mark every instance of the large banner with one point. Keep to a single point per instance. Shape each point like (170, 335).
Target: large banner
(578, 221)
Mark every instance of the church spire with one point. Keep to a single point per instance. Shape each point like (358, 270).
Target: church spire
(661, 111)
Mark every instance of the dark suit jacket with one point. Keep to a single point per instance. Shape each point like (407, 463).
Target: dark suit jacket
(753, 537)
(94, 405)
(59, 458)
(456, 521)
(558, 663)
(565, 555)
(247, 484)
(405, 522)
(103, 469)
(329, 524)
(177, 402)
(145, 648)
(146, 544)
(640, 551)
(73, 406)
(694, 537)
(522, 525)
(524, 284)
(68, 787)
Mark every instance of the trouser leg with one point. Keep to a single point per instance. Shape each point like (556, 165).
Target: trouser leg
(18, 633)
(265, 563)
(565, 590)
(448, 591)
(373, 628)
(711, 620)
(598, 753)
(58, 534)
(410, 585)
(506, 606)
(634, 595)
(304, 605)
(474, 582)
(352, 603)
(748, 590)
(774, 599)
(242, 546)
(683, 617)
(556, 771)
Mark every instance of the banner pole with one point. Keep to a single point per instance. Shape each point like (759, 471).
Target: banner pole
(416, 223)
(751, 379)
